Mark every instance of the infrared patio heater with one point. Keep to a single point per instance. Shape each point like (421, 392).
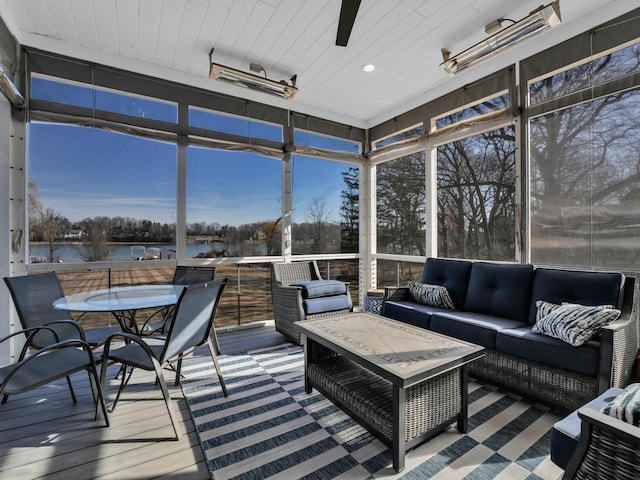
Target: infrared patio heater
(539, 20)
(9, 89)
(239, 78)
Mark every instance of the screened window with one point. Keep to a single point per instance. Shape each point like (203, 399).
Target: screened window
(235, 125)
(400, 210)
(94, 194)
(614, 65)
(305, 138)
(81, 95)
(396, 137)
(325, 206)
(476, 197)
(585, 183)
(495, 104)
(234, 204)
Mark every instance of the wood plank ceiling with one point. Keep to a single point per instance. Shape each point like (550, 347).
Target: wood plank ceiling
(171, 39)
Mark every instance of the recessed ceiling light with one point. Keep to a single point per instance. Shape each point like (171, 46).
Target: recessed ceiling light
(369, 67)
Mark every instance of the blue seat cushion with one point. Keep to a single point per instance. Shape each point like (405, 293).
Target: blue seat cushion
(452, 274)
(501, 290)
(321, 288)
(573, 286)
(326, 304)
(412, 313)
(472, 327)
(524, 343)
(565, 434)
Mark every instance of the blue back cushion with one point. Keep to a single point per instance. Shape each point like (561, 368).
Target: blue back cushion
(574, 286)
(501, 290)
(452, 274)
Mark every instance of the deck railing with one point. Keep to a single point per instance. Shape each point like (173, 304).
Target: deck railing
(246, 299)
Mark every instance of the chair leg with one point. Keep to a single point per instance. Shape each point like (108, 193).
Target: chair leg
(4, 399)
(178, 370)
(216, 341)
(98, 395)
(217, 365)
(167, 398)
(123, 384)
(73, 394)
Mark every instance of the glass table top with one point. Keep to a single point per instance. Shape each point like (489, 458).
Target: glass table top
(121, 298)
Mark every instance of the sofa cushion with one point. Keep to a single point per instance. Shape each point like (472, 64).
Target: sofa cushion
(574, 286)
(410, 312)
(575, 324)
(500, 290)
(321, 288)
(524, 343)
(626, 406)
(452, 274)
(326, 304)
(433, 295)
(565, 434)
(471, 327)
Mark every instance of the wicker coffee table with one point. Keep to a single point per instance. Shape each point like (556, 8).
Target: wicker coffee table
(402, 383)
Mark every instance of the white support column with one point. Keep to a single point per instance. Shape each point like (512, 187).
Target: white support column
(13, 212)
(431, 199)
(367, 220)
(181, 200)
(286, 206)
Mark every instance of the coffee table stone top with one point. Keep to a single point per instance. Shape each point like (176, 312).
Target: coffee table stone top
(404, 352)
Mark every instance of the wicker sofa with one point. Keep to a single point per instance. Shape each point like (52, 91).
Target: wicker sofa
(496, 308)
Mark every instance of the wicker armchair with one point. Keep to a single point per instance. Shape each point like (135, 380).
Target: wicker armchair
(608, 448)
(289, 304)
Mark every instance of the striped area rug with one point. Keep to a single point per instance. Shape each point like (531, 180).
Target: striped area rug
(269, 427)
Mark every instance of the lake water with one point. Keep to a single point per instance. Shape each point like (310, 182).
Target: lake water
(119, 252)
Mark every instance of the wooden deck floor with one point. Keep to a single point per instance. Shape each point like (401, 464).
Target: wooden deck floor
(44, 435)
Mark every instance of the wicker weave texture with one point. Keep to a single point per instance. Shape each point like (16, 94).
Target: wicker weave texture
(609, 457)
(550, 385)
(369, 397)
(625, 349)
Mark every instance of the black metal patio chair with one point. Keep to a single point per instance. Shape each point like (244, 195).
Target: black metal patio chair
(33, 297)
(190, 327)
(183, 275)
(38, 366)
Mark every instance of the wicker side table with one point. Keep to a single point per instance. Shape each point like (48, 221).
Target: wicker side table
(373, 301)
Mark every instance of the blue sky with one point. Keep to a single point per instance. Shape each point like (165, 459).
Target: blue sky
(84, 172)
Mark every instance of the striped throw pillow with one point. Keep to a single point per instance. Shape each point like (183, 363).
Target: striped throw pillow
(432, 295)
(544, 309)
(575, 324)
(626, 406)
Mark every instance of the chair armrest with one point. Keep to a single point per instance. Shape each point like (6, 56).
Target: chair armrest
(608, 448)
(396, 293)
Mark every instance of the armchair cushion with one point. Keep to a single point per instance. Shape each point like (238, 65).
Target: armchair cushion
(326, 304)
(566, 432)
(321, 288)
(626, 406)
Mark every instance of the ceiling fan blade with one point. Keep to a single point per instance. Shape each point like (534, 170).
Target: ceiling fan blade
(348, 12)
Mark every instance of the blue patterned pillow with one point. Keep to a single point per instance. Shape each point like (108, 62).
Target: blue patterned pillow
(432, 295)
(626, 406)
(575, 324)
